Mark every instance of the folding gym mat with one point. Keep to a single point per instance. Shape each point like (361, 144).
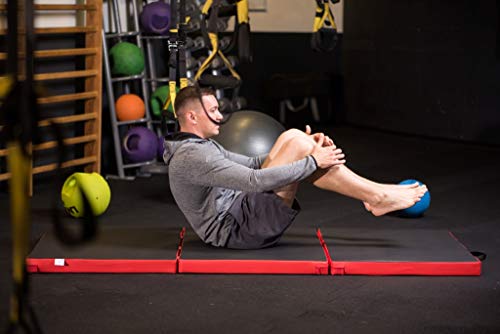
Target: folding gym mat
(378, 251)
(338, 251)
(115, 250)
(298, 252)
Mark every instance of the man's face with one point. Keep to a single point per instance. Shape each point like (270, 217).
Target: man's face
(206, 126)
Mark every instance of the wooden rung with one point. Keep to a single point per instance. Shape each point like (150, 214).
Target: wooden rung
(65, 52)
(64, 30)
(50, 167)
(58, 30)
(3, 152)
(70, 163)
(56, 53)
(68, 119)
(67, 97)
(64, 7)
(57, 7)
(65, 75)
(67, 141)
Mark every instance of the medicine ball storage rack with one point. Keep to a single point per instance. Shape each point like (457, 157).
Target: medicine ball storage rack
(124, 84)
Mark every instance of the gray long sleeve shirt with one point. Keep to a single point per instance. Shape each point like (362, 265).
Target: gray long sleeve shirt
(205, 179)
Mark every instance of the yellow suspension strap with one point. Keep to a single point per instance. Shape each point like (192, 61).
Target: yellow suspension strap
(324, 37)
(242, 11)
(18, 116)
(211, 34)
(6, 84)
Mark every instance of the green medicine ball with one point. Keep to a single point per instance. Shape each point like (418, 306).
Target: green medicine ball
(159, 98)
(91, 185)
(126, 59)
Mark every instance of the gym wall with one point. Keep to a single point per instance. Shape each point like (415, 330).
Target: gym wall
(281, 44)
(288, 16)
(424, 67)
(282, 53)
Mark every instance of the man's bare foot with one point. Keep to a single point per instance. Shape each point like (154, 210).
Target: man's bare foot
(399, 186)
(396, 198)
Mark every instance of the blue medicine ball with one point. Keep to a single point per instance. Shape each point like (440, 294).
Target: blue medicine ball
(418, 208)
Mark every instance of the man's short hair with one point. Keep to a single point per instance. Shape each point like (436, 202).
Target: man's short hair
(190, 94)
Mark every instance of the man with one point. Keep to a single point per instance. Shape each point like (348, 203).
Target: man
(235, 201)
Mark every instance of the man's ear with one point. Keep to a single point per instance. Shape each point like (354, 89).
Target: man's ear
(192, 116)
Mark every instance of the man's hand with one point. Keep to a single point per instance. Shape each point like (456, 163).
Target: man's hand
(315, 137)
(327, 156)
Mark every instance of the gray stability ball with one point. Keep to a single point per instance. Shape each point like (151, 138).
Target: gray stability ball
(249, 132)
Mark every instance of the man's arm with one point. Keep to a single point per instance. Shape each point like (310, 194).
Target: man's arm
(250, 162)
(206, 165)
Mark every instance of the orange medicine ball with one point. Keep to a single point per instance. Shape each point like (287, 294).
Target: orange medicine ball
(129, 107)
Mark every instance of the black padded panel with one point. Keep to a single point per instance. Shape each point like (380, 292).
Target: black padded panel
(115, 243)
(405, 245)
(300, 244)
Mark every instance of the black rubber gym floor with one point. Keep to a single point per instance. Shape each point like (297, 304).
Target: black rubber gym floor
(463, 180)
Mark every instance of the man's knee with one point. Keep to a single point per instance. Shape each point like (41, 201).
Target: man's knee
(292, 145)
(302, 145)
(294, 134)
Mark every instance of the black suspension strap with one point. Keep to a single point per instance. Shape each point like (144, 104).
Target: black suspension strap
(183, 19)
(173, 51)
(324, 37)
(244, 48)
(177, 50)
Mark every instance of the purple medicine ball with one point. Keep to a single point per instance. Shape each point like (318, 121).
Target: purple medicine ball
(140, 144)
(155, 17)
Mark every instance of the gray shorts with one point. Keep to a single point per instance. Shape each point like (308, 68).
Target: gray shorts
(260, 220)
